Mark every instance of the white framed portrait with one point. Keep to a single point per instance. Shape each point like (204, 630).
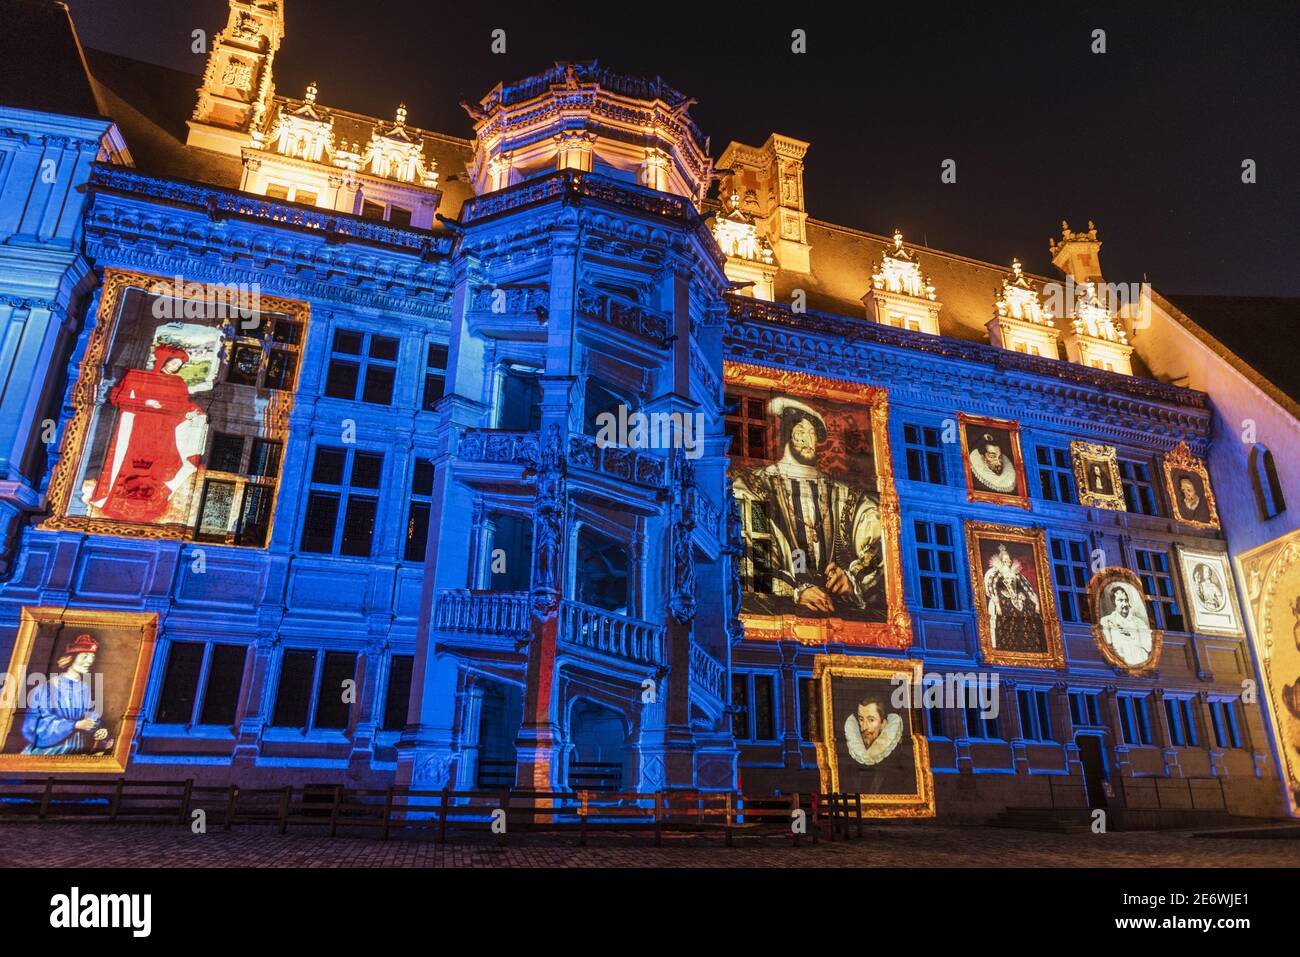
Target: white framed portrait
(1211, 594)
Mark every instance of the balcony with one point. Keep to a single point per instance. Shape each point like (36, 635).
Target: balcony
(707, 673)
(612, 634)
(482, 613)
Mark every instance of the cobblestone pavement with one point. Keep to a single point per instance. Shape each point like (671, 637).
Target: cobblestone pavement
(924, 845)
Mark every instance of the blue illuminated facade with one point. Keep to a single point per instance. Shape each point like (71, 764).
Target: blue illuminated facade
(500, 598)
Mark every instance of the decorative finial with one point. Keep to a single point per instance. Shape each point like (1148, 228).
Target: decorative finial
(401, 114)
(311, 92)
(1015, 267)
(735, 199)
(898, 238)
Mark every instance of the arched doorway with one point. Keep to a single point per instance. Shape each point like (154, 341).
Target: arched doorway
(596, 737)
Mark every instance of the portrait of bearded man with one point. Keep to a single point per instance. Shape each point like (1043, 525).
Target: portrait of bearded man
(825, 554)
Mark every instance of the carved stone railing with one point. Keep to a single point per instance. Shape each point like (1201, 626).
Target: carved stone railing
(218, 203)
(498, 445)
(573, 183)
(612, 634)
(708, 673)
(483, 613)
(743, 309)
(638, 320)
(708, 515)
(712, 385)
(618, 461)
(510, 300)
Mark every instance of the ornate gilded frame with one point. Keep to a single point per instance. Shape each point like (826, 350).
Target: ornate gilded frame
(1036, 538)
(1188, 553)
(89, 375)
(1180, 458)
(826, 667)
(1080, 453)
(896, 630)
(1098, 584)
(1010, 426)
(31, 620)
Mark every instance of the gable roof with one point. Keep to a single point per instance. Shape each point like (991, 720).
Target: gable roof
(41, 63)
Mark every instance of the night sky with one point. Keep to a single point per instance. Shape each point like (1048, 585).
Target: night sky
(1146, 139)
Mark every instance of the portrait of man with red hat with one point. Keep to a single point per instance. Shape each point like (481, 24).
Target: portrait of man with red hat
(157, 444)
(63, 716)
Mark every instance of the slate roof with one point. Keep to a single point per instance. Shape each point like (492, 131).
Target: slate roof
(41, 67)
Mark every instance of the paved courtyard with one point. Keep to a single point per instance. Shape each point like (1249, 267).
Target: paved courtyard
(909, 845)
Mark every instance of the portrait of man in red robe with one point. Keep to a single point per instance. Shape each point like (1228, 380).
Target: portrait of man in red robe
(157, 443)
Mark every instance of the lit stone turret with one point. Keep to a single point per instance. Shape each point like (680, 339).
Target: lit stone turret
(584, 117)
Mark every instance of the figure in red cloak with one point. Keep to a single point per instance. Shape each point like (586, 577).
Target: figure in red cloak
(157, 444)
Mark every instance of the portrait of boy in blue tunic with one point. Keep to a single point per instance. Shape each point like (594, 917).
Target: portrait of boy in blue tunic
(63, 716)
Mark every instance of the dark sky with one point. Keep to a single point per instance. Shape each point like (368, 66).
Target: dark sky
(1146, 139)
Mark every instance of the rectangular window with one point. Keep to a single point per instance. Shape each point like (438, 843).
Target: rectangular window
(397, 216)
(1070, 572)
(510, 553)
(1227, 730)
(1055, 474)
(934, 723)
(365, 360)
(740, 707)
(755, 697)
(746, 425)
(336, 691)
(398, 697)
(313, 692)
(417, 518)
(293, 694)
(809, 709)
(277, 191)
(1035, 714)
(520, 406)
(201, 684)
(1158, 584)
(1182, 721)
(979, 727)
(923, 450)
(1134, 719)
(936, 564)
(1139, 490)
(435, 375)
(226, 454)
(304, 196)
(343, 482)
(1085, 708)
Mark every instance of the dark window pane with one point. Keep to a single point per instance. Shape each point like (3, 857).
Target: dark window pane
(287, 332)
(358, 526)
(341, 380)
(293, 696)
(347, 340)
(305, 196)
(279, 369)
(437, 357)
(435, 385)
(367, 469)
(422, 483)
(180, 683)
(255, 520)
(332, 708)
(318, 524)
(398, 698)
(371, 210)
(265, 460)
(245, 362)
(225, 674)
(398, 216)
(764, 713)
(808, 709)
(227, 451)
(378, 389)
(417, 532)
(328, 467)
(740, 701)
(383, 347)
(214, 512)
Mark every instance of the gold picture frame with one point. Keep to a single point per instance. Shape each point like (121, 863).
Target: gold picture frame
(101, 626)
(1029, 544)
(1019, 499)
(1099, 586)
(1181, 466)
(1210, 592)
(880, 672)
(896, 630)
(63, 479)
(1095, 468)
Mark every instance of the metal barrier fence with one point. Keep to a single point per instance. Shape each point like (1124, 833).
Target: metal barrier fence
(381, 811)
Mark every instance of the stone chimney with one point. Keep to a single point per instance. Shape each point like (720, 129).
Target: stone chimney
(1077, 254)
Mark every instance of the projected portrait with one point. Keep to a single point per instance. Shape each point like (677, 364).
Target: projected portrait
(1013, 595)
(1096, 475)
(73, 690)
(994, 466)
(182, 411)
(1211, 595)
(870, 744)
(1188, 485)
(820, 534)
(1121, 623)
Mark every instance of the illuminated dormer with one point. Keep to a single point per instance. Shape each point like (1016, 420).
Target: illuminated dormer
(1020, 322)
(397, 153)
(304, 132)
(1097, 340)
(750, 260)
(584, 117)
(901, 295)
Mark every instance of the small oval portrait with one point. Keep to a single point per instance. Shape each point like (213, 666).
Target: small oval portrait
(1121, 623)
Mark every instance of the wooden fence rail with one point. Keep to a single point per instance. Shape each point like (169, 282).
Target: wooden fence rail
(382, 811)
